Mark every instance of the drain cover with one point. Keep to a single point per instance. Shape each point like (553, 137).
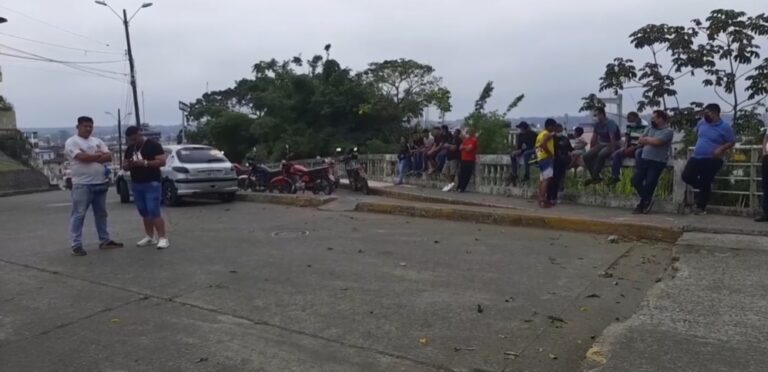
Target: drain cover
(289, 234)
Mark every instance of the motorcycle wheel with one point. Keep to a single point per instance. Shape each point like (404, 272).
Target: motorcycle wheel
(285, 188)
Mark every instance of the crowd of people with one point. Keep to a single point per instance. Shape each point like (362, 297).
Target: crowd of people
(452, 155)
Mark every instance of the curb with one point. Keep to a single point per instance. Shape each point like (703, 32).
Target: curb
(630, 231)
(4, 194)
(404, 195)
(289, 200)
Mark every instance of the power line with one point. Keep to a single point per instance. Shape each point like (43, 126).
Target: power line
(56, 27)
(47, 59)
(60, 46)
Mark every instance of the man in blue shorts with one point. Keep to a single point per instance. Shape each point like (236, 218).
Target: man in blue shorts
(144, 158)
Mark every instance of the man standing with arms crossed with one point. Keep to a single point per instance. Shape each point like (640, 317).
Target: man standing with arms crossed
(656, 143)
(88, 156)
(144, 158)
(715, 139)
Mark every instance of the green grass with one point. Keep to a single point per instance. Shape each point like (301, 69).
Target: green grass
(6, 166)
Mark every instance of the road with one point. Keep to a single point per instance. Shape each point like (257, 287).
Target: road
(259, 287)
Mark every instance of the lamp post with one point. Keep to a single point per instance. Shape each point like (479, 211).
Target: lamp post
(119, 133)
(126, 23)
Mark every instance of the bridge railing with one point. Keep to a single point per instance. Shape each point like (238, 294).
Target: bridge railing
(737, 189)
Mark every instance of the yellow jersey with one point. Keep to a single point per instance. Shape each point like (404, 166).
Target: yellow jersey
(550, 145)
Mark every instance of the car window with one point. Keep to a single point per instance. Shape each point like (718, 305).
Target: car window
(200, 155)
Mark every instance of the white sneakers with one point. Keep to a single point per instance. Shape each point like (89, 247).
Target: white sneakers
(162, 243)
(147, 241)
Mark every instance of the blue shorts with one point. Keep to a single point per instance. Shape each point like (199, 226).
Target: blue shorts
(147, 197)
(546, 168)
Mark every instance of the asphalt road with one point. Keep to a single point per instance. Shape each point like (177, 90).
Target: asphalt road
(252, 287)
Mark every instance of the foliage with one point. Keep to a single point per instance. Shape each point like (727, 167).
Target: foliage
(590, 103)
(306, 108)
(5, 105)
(492, 126)
(723, 49)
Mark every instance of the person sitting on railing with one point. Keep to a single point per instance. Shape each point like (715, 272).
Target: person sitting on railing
(579, 145)
(418, 153)
(715, 139)
(562, 162)
(403, 159)
(657, 146)
(631, 149)
(526, 149)
(605, 138)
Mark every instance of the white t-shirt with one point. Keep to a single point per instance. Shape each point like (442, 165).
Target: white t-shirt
(85, 173)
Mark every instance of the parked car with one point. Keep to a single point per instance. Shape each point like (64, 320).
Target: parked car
(189, 170)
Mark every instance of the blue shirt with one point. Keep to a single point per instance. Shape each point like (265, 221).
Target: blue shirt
(712, 136)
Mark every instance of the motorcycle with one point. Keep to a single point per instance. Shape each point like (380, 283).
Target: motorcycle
(295, 178)
(260, 178)
(356, 172)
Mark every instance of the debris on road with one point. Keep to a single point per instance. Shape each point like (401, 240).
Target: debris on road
(552, 260)
(460, 348)
(552, 356)
(511, 355)
(596, 355)
(556, 319)
(233, 271)
(658, 280)
(203, 359)
(403, 264)
(479, 309)
(615, 283)
(437, 242)
(613, 239)
(115, 321)
(605, 274)
(424, 341)
(594, 295)
(360, 251)
(583, 309)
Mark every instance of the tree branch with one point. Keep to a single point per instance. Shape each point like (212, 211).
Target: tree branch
(721, 97)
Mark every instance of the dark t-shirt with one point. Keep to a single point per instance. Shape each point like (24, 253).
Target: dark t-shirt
(526, 140)
(148, 150)
(563, 148)
(455, 154)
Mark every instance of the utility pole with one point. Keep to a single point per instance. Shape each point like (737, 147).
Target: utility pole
(133, 71)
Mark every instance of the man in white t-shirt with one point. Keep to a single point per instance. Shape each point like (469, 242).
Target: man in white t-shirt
(88, 157)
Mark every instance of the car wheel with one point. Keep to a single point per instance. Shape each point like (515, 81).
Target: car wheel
(228, 197)
(170, 194)
(125, 193)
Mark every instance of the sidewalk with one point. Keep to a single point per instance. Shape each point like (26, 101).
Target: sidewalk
(682, 223)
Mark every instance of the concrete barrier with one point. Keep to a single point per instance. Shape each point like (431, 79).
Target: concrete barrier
(632, 231)
(22, 181)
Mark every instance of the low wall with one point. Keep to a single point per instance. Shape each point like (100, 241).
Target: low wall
(23, 179)
(736, 191)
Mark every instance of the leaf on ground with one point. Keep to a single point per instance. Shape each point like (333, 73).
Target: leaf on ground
(556, 319)
(594, 295)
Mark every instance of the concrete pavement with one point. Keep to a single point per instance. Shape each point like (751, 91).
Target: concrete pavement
(249, 286)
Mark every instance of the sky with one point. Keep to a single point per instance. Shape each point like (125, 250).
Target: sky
(553, 51)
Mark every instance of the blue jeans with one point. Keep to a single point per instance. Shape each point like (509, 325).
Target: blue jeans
(418, 162)
(84, 196)
(527, 156)
(617, 159)
(402, 169)
(647, 173)
(147, 197)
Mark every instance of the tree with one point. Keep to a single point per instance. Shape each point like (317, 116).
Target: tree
(410, 84)
(724, 48)
(308, 110)
(493, 125)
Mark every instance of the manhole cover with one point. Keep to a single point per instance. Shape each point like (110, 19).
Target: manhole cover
(289, 234)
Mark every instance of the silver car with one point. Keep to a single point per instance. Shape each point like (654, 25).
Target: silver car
(190, 170)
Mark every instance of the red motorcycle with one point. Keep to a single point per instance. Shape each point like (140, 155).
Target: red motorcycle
(295, 178)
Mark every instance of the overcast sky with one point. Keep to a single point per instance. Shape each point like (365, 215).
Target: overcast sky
(551, 50)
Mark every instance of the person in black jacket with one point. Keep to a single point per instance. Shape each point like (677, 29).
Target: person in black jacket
(526, 149)
(563, 151)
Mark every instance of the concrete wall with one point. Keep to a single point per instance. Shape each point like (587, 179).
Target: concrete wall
(24, 179)
(7, 119)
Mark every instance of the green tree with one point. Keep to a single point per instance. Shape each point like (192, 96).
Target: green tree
(412, 86)
(492, 125)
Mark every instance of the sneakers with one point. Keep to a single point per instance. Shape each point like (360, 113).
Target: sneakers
(647, 208)
(699, 211)
(110, 244)
(147, 241)
(163, 243)
(79, 252)
(639, 209)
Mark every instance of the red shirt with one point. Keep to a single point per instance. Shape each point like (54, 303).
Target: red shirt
(469, 149)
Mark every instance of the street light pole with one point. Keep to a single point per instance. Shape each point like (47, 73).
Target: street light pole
(119, 138)
(133, 71)
(126, 23)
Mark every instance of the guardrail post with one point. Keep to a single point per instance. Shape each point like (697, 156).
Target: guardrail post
(753, 159)
(679, 188)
